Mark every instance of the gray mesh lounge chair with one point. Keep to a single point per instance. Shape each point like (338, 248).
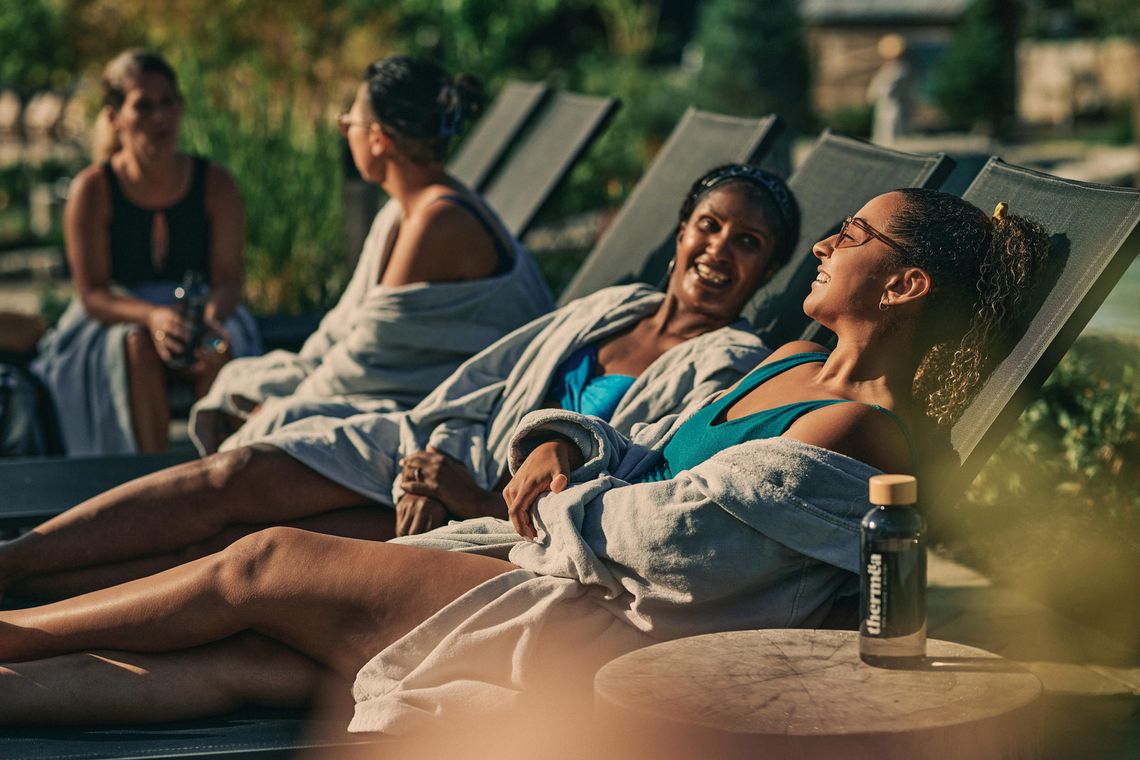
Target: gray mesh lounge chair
(630, 250)
(559, 135)
(492, 136)
(1095, 235)
(838, 176)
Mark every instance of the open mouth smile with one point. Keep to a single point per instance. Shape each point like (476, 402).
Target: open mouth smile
(711, 276)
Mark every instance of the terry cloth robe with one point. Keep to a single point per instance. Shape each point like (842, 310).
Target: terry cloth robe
(83, 363)
(763, 535)
(384, 347)
(474, 413)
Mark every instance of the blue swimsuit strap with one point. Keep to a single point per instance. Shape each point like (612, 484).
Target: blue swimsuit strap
(782, 365)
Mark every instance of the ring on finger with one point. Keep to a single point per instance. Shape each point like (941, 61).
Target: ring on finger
(417, 474)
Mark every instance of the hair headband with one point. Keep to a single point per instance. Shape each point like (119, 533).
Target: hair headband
(754, 174)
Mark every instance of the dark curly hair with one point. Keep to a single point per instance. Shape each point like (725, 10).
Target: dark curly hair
(980, 267)
(772, 193)
(420, 105)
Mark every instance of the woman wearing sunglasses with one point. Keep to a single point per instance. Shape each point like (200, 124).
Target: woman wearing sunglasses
(438, 280)
(742, 512)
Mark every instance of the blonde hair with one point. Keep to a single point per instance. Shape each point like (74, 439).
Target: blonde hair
(118, 75)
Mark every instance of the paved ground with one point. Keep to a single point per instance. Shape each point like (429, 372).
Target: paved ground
(1091, 707)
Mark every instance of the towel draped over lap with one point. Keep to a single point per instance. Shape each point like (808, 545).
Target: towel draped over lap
(762, 535)
(380, 349)
(474, 413)
(83, 364)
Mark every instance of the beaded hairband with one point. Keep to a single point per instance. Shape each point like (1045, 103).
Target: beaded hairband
(769, 181)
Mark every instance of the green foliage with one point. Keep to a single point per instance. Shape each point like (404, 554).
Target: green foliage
(975, 83)
(755, 59)
(289, 172)
(33, 52)
(1057, 508)
(853, 120)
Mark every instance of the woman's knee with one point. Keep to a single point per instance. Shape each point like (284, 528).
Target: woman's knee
(260, 565)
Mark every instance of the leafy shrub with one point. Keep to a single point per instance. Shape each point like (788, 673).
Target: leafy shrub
(289, 171)
(1056, 510)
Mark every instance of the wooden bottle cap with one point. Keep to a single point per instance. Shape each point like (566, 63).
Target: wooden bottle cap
(893, 489)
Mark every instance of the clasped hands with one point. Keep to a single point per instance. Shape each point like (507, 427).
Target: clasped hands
(438, 486)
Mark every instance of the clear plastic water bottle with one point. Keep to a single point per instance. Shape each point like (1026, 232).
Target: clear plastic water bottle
(892, 620)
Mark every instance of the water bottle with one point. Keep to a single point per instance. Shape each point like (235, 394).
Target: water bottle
(191, 297)
(892, 599)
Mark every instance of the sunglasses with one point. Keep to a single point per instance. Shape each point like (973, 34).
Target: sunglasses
(854, 222)
(344, 122)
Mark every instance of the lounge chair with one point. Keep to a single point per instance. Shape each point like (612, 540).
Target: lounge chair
(637, 245)
(838, 176)
(1095, 236)
(558, 136)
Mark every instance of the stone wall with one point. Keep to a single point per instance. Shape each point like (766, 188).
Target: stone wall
(1059, 81)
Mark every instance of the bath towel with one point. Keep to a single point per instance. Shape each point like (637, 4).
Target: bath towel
(474, 413)
(382, 348)
(762, 535)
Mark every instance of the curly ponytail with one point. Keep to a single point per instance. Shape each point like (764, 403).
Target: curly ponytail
(981, 268)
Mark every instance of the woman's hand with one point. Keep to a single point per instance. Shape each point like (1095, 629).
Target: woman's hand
(168, 330)
(547, 468)
(214, 349)
(418, 514)
(444, 478)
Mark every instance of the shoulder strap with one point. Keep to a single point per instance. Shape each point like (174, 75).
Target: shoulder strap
(494, 231)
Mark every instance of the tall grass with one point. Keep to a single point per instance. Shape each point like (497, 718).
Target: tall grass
(289, 172)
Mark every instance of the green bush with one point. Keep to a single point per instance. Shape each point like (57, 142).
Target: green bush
(289, 171)
(1056, 510)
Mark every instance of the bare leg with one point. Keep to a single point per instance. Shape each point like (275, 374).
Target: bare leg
(211, 365)
(337, 600)
(122, 687)
(167, 511)
(146, 382)
(373, 522)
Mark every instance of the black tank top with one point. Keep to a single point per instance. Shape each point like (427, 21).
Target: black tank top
(133, 233)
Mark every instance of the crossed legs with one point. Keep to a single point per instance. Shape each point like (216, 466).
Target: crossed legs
(281, 606)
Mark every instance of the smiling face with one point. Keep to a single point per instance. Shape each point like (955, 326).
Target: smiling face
(724, 250)
(854, 271)
(148, 120)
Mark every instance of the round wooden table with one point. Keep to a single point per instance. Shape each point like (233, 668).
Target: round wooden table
(806, 694)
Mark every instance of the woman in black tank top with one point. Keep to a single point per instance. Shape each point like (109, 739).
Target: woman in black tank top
(137, 222)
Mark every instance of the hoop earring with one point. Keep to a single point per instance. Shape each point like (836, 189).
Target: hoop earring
(883, 306)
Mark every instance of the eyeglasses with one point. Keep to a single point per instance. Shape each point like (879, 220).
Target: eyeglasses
(854, 221)
(344, 122)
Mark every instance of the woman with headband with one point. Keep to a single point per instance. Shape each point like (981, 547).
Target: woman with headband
(627, 354)
(740, 513)
(438, 280)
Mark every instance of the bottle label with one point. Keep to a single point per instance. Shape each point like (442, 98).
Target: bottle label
(893, 599)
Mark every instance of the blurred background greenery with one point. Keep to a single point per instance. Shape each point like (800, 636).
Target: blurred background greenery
(1058, 503)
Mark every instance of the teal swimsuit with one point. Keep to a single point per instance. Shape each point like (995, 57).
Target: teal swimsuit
(702, 436)
(577, 386)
